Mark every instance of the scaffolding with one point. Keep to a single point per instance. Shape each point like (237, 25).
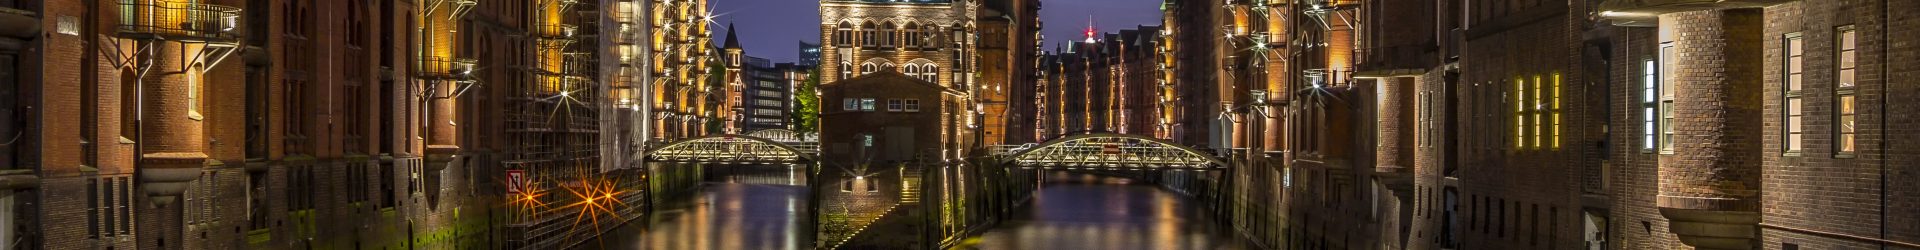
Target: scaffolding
(553, 121)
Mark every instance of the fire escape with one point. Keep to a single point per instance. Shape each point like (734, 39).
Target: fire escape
(443, 77)
(553, 119)
(167, 45)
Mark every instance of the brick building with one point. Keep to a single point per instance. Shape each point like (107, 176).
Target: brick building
(887, 116)
(933, 40)
(1577, 124)
(283, 124)
(1109, 85)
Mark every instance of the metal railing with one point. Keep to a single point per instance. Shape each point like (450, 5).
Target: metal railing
(179, 21)
(556, 31)
(443, 67)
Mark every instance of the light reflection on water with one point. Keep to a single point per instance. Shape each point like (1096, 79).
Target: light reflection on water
(761, 209)
(1087, 212)
(755, 211)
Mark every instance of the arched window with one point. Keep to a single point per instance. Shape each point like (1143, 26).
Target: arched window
(911, 39)
(846, 70)
(866, 34)
(911, 70)
(868, 68)
(888, 65)
(886, 34)
(843, 36)
(930, 73)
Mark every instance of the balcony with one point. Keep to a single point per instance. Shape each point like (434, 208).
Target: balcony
(556, 31)
(1646, 13)
(444, 68)
(165, 20)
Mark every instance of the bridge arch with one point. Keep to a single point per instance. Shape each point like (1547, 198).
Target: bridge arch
(782, 135)
(1107, 150)
(728, 149)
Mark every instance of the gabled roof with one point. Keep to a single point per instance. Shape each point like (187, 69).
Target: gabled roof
(733, 40)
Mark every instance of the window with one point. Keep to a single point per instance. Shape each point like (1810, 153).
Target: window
(1553, 109)
(767, 103)
(850, 104)
(869, 68)
(846, 70)
(866, 104)
(1648, 104)
(1794, 111)
(886, 35)
(912, 105)
(1668, 63)
(866, 35)
(911, 70)
(844, 35)
(911, 36)
(1844, 131)
(930, 73)
(896, 105)
(767, 112)
(1520, 113)
(767, 93)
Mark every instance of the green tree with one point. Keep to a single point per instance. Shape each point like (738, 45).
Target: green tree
(806, 98)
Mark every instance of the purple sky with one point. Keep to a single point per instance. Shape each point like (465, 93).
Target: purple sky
(771, 28)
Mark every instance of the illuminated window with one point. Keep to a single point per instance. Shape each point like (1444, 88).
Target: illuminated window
(849, 104)
(1520, 113)
(1648, 103)
(1794, 112)
(1668, 63)
(1539, 112)
(1843, 91)
(866, 104)
(1554, 111)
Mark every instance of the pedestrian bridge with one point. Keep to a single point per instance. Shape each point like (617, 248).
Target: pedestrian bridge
(759, 147)
(1106, 151)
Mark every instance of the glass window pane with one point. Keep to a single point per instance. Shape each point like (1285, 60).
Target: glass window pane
(1794, 124)
(1795, 64)
(1793, 142)
(1847, 59)
(1847, 38)
(1846, 105)
(1793, 82)
(1795, 45)
(1846, 143)
(1793, 106)
(1846, 78)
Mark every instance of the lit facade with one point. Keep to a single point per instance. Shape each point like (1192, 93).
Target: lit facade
(934, 41)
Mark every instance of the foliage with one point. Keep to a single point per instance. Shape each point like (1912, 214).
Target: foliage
(806, 98)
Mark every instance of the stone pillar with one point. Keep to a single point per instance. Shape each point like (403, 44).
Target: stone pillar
(172, 137)
(442, 142)
(1709, 188)
(1394, 132)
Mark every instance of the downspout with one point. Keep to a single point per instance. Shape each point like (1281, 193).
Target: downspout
(1885, 48)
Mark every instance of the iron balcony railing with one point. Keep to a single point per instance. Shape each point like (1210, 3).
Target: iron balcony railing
(556, 31)
(178, 21)
(444, 68)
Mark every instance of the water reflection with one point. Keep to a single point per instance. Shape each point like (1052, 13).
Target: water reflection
(739, 208)
(1083, 211)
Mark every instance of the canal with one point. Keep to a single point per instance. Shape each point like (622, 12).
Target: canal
(897, 207)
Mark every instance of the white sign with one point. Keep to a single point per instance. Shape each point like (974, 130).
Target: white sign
(515, 178)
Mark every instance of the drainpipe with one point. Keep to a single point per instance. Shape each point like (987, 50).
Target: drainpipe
(1885, 48)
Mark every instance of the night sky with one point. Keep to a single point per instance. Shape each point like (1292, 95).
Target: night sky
(771, 28)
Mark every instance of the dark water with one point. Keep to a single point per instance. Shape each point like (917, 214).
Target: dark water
(1087, 212)
(761, 207)
(767, 209)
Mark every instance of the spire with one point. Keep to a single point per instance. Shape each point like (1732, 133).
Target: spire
(733, 40)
